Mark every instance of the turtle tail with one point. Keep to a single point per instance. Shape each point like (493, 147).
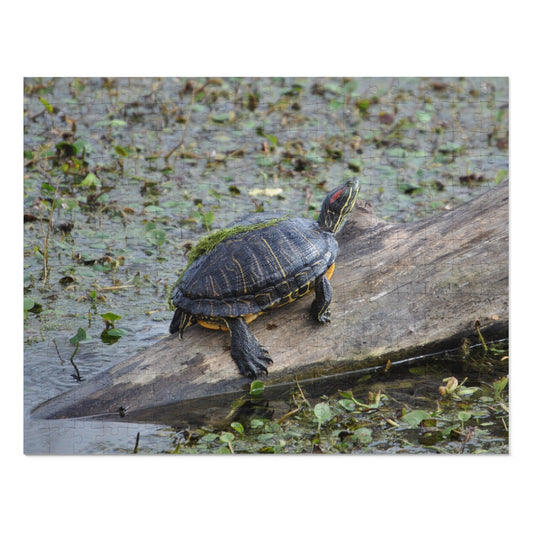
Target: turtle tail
(181, 321)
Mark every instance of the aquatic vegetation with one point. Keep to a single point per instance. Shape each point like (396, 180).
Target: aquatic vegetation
(454, 419)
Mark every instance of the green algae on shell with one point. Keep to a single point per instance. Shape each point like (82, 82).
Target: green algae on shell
(207, 243)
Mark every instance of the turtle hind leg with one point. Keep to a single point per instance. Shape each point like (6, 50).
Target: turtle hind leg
(323, 295)
(181, 321)
(250, 356)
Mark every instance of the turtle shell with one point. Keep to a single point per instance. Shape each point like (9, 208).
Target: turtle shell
(252, 271)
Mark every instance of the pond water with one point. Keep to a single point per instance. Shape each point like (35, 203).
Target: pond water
(122, 175)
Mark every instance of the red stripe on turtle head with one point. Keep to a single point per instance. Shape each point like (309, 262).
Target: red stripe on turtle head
(336, 195)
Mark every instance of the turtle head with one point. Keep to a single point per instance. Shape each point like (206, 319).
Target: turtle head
(337, 206)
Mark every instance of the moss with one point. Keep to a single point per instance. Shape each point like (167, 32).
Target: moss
(207, 243)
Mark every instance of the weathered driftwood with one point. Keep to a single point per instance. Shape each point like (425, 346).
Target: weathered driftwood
(399, 290)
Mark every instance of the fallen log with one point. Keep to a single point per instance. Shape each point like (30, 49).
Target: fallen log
(399, 290)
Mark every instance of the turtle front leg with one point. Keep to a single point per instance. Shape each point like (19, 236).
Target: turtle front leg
(320, 306)
(250, 356)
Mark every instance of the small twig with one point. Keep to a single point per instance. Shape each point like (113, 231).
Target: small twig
(303, 395)
(136, 449)
(308, 196)
(504, 423)
(477, 323)
(116, 287)
(288, 415)
(46, 234)
(57, 350)
(37, 159)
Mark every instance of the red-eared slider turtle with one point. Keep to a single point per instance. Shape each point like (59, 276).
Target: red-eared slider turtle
(264, 262)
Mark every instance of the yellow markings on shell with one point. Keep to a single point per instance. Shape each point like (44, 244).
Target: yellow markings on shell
(242, 275)
(211, 281)
(302, 235)
(252, 316)
(275, 257)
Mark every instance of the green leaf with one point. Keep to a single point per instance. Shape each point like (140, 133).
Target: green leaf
(114, 122)
(149, 226)
(222, 450)
(47, 187)
(121, 151)
(312, 157)
(223, 117)
(209, 437)
(265, 437)
(156, 236)
(155, 209)
(69, 203)
(415, 417)
(81, 145)
(363, 435)
(467, 391)
(272, 138)
(333, 88)
(237, 426)
(264, 161)
(38, 253)
(257, 388)
(80, 336)
(323, 412)
(208, 218)
(463, 416)
(499, 386)
(226, 436)
(423, 116)
(49, 107)
(363, 104)
(451, 148)
(170, 204)
(397, 152)
(502, 174)
(110, 317)
(214, 193)
(349, 405)
(28, 303)
(446, 431)
(91, 180)
(336, 104)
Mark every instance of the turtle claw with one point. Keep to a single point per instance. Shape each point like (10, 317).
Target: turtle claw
(250, 356)
(253, 363)
(325, 317)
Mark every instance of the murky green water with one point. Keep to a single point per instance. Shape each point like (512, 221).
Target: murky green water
(131, 171)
